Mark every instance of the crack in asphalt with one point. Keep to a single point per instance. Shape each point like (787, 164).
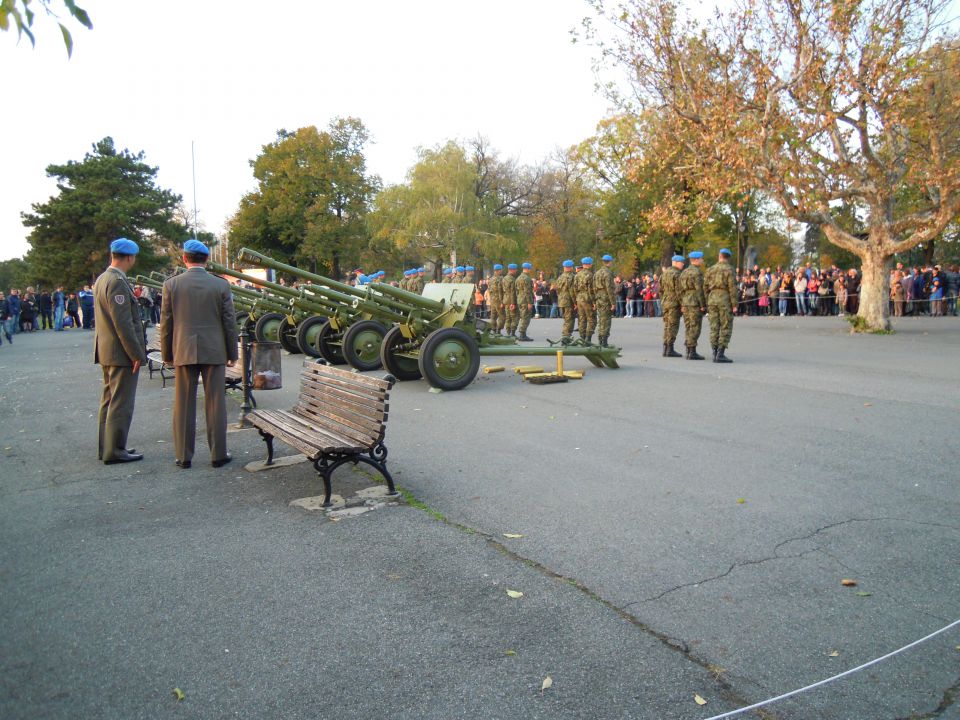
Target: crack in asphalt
(949, 696)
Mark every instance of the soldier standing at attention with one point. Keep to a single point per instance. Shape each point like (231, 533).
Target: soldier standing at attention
(721, 288)
(419, 281)
(495, 293)
(524, 287)
(583, 289)
(605, 298)
(458, 275)
(565, 301)
(405, 283)
(469, 276)
(198, 336)
(119, 349)
(670, 303)
(508, 288)
(693, 302)
(446, 275)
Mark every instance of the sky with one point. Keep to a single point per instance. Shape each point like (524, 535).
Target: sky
(226, 75)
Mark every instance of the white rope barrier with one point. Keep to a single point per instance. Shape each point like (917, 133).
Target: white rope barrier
(844, 674)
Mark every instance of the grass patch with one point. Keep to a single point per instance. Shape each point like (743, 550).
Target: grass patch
(859, 325)
(413, 502)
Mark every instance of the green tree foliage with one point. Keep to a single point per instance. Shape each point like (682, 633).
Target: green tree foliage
(19, 14)
(14, 274)
(313, 194)
(109, 194)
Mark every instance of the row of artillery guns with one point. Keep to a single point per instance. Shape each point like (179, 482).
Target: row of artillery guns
(435, 336)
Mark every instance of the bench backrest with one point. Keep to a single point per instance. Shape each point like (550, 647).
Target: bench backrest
(348, 403)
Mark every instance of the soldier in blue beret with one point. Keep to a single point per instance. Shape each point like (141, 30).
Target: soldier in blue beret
(720, 285)
(447, 276)
(693, 303)
(508, 286)
(525, 299)
(586, 310)
(605, 299)
(120, 349)
(670, 304)
(607, 258)
(566, 300)
(495, 297)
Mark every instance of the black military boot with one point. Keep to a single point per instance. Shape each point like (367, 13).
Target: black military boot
(692, 354)
(714, 348)
(721, 357)
(671, 352)
(602, 339)
(523, 338)
(666, 349)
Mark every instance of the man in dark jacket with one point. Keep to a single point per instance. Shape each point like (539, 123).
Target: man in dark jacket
(5, 318)
(46, 310)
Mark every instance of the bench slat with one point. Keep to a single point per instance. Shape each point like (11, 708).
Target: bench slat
(289, 425)
(336, 419)
(357, 394)
(346, 375)
(340, 434)
(372, 409)
(267, 425)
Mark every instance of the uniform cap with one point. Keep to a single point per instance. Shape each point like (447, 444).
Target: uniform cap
(498, 266)
(380, 273)
(678, 258)
(447, 271)
(512, 266)
(406, 273)
(607, 258)
(362, 279)
(194, 246)
(725, 251)
(469, 268)
(459, 268)
(695, 255)
(527, 266)
(568, 263)
(122, 246)
(587, 261)
(420, 270)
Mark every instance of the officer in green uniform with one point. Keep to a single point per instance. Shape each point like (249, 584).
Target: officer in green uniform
(120, 349)
(524, 287)
(583, 290)
(458, 275)
(495, 295)
(605, 298)
(693, 302)
(720, 285)
(566, 300)
(447, 275)
(418, 281)
(508, 286)
(670, 303)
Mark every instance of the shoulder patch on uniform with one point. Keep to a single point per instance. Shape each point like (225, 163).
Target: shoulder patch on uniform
(119, 299)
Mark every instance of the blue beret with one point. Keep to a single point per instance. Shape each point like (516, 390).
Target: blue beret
(459, 268)
(420, 270)
(408, 273)
(498, 266)
(587, 261)
(527, 266)
(194, 246)
(724, 251)
(362, 279)
(695, 255)
(568, 263)
(678, 258)
(447, 271)
(379, 273)
(607, 258)
(469, 268)
(512, 266)
(122, 246)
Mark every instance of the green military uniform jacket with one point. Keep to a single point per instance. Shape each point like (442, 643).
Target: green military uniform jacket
(564, 286)
(524, 287)
(508, 290)
(583, 286)
(670, 288)
(119, 340)
(720, 285)
(603, 290)
(495, 290)
(197, 321)
(691, 288)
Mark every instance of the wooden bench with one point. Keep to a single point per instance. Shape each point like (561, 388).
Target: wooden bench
(340, 417)
(233, 376)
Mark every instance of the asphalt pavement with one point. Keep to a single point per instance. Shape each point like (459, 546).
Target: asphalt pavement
(685, 530)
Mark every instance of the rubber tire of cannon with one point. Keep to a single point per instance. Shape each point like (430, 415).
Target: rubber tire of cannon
(242, 318)
(363, 332)
(331, 353)
(287, 335)
(265, 320)
(454, 376)
(401, 368)
(304, 330)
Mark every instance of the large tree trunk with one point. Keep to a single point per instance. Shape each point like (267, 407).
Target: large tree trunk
(875, 290)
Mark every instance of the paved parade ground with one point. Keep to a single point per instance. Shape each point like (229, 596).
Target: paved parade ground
(685, 528)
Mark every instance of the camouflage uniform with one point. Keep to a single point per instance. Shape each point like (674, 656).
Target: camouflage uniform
(416, 284)
(587, 315)
(509, 289)
(605, 296)
(670, 303)
(495, 295)
(565, 300)
(721, 288)
(524, 287)
(691, 300)
(447, 278)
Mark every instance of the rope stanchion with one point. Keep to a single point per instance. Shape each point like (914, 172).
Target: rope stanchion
(833, 678)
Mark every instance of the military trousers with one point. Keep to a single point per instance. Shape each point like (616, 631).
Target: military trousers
(604, 315)
(510, 319)
(496, 317)
(586, 319)
(721, 325)
(692, 324)
(567, 314)
(185, 410)
(671, 324)
(116, 409)
(524, 313)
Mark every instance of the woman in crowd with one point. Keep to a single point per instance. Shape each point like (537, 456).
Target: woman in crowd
(813, 288)
(840, 291)
(785, 294)
(28, 311)
(936, 293)
(651, 292)
(629, 295)
(800, 291)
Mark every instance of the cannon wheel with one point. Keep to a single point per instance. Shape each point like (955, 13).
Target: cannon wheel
(307, 332)
(267, 328)
(449, 359)
(242, 318)
(287, 335)
(361, 344)
(402, 368)
(331, 353)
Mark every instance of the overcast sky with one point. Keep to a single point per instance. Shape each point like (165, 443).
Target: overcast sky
(227, 75)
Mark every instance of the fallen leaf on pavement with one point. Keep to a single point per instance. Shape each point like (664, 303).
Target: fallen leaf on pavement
(512, 535)
(741, 501)
(515, 594)
(847, 582)
(509, 653)
(179, 694)
(868, 404)
(835, 653)
(699, 700)
(547, 683)
(864, 594)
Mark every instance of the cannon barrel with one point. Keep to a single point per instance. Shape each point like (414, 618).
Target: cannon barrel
(408, 298)
(149, 282)
(315, 303)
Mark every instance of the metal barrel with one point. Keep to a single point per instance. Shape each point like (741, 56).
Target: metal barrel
(365, 304)
(314, 304)
(407, 297)
(149, 282)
